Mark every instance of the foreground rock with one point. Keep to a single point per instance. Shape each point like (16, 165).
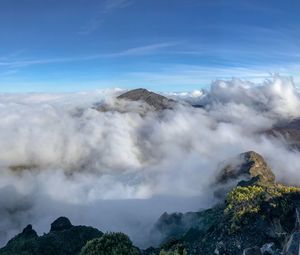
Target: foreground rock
(252, 251)
(63, 239)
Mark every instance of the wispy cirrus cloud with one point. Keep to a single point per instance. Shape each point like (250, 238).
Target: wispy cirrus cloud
(104, 9)
(130, 52)
(143, 50)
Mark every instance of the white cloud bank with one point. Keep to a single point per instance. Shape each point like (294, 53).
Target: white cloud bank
(120, 171)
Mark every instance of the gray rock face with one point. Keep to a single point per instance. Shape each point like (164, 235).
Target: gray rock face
(252, 251)
(249, 166)
(158, 102)
(292, 246)
(268, 249)
(290, 131)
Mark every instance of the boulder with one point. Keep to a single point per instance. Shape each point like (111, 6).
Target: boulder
(268, 249)
(252, 251)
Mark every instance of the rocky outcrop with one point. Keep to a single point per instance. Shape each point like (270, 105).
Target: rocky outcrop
(289, 131)
(158, 102)
(63, 239)
(252, 251)
(250, 167)
(255, 218)
(292, 246)
(62, 223)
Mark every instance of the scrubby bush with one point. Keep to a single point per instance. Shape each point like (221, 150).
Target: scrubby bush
(110, 244)
(249, 200)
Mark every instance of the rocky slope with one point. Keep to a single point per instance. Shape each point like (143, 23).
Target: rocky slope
(289, 131)
(158, 102)
(257, 216)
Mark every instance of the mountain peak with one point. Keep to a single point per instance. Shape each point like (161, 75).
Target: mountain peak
(157, 101)
(62, 223)
(250, 167)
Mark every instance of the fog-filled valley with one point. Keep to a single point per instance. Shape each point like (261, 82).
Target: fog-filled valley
(118, 164)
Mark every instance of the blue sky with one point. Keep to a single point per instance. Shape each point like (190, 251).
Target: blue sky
(163, 45)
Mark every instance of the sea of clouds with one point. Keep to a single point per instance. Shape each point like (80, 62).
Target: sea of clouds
(119, 169)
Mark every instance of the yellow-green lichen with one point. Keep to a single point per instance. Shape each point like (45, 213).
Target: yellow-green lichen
(242, 201)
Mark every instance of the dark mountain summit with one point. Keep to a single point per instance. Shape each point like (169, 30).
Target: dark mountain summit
(63, 239)
(158, 102)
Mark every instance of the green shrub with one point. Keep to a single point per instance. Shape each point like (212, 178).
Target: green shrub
(245, 201)
(110, 244)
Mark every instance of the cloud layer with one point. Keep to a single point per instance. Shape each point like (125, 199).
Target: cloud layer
(119, 170)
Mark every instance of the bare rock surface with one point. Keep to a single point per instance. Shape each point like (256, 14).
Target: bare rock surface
(249, 166)
(158, 102)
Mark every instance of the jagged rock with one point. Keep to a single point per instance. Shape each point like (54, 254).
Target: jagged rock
(220, 248)
(252, 251)
(297, 224)
(62, 223)
(292, 246)
(289, 131)
(29, 232)
(158, 102)
(250, 167)
(63, 239)
(268, 249)
(175, 225)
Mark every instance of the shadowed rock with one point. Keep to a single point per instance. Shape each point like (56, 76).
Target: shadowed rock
(63, 239)
(158, 102)
(252, 251)
(289, 131)
(62, 223)
(292, 246)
